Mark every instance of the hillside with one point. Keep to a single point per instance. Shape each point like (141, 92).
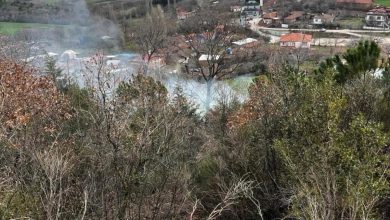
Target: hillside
(43, 11)
(63, 12)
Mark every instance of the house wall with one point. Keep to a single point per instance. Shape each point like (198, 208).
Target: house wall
(317, 21)
(296, 44)
(376, 20)
(287, 44)
(302, 44)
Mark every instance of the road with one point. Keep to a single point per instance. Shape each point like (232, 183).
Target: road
(343, 31)
(356, 34)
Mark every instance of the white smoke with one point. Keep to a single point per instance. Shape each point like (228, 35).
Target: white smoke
(87, 32)
(196, 91)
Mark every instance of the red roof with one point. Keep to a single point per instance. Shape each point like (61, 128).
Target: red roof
(355, 1)
(294, 15)
(296, 37)
(270, 15)
(380, 10)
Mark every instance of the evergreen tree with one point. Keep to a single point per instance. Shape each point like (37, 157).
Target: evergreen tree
(354, 63)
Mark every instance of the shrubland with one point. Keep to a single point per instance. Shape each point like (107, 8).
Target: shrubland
(305, 145)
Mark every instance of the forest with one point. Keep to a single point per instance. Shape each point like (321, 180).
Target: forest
(304, 145)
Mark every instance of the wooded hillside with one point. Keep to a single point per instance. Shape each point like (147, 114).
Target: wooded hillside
(305, 145)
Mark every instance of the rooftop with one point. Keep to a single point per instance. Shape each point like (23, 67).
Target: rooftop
(244, 41)
(355, 1)
(326, 17)
(207, 57)
(379, 10)
(271, 15)
(296, 37)
(294, 15)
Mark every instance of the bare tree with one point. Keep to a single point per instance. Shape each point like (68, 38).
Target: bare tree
(241, 189)
(210, 40)
(55, 166)
(151, 34)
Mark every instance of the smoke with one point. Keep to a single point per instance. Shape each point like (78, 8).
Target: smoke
(195, 91)
(82, 34)
(70, 26)
(225, 91)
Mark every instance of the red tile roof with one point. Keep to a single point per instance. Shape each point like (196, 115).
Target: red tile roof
(355, 1)
(294, 15)
(270, 15)
(296, 37)
(380, 10)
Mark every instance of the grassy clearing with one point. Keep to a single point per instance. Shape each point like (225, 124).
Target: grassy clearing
(329, 35)
(10, 28)
(240, 84)
(351, 23)
(383, 2)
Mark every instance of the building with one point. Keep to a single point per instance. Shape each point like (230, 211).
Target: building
(323, 19)
(294, 17)
(251, 9)
(296, 40)
(378, 17)
(246, 43)
(271, 18)
(235, 8)
(245, 47)
(156, 60)
(355, 4)
(206, 60)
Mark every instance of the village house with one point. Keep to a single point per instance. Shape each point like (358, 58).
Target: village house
(271, 18)
(323, 19)
(355, 4)
(246, 43)
(251, 9)
(296, 40)
(294, 17)
(205, 60)
(245, 46)
(235, 8)
(378, 17)
(156, 60)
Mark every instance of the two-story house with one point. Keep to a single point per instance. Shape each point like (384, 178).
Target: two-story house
(251, 9)
(378, 17)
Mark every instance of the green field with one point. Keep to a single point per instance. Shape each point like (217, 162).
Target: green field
(240, 84)
(351, 23)
(383, 2)
(10, 28)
